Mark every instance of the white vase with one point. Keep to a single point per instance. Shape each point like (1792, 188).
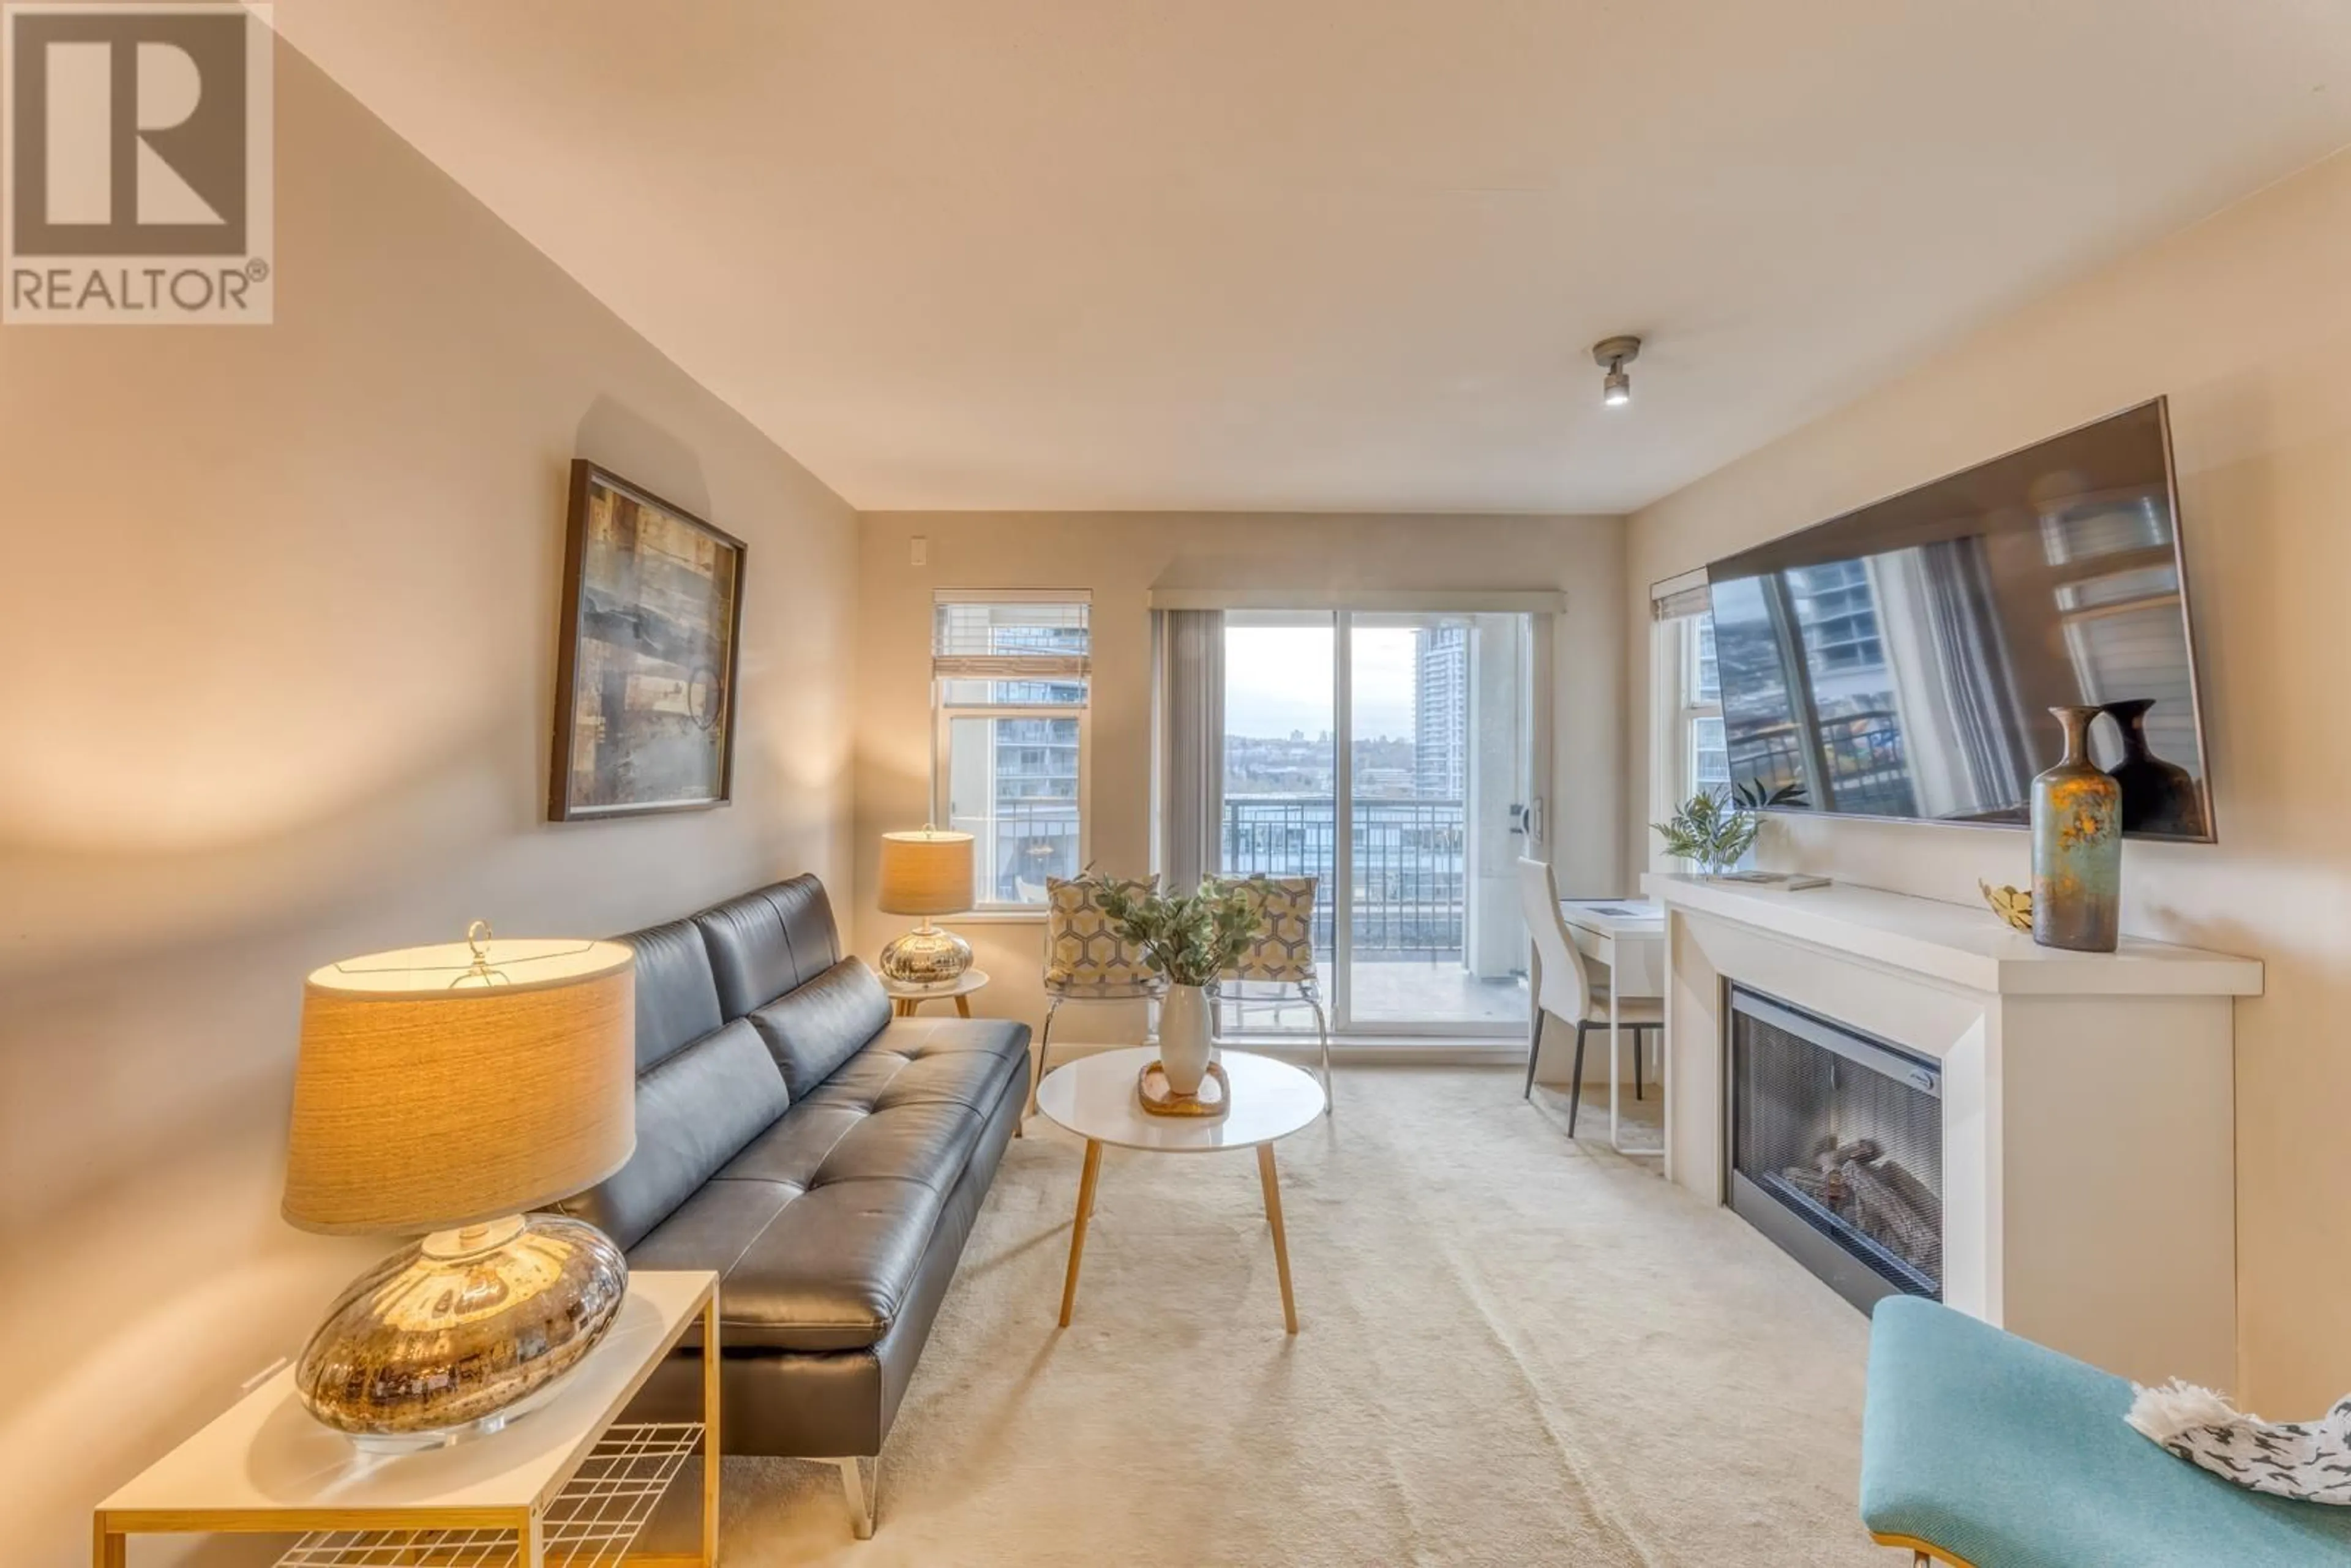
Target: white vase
(1184, 1046)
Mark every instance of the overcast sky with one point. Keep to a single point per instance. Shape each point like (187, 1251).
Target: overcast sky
(1278, 679)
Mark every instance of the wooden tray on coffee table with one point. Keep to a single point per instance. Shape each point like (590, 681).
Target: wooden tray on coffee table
(1214, 1101)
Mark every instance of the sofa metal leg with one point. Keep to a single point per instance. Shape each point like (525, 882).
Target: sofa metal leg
(859, 1484)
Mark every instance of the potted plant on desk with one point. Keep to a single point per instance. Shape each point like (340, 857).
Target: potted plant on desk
(1189, 939)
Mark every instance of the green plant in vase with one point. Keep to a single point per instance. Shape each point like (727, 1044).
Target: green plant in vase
(1188, 938)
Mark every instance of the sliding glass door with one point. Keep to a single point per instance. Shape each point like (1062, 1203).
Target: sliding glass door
(1390, 756)
(1436, 719)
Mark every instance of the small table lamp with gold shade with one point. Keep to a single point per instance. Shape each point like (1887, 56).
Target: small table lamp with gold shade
(452, 1090)
(926, 873)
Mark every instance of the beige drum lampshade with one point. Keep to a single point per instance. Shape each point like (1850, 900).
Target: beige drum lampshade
(926, 873)
(443, 1086)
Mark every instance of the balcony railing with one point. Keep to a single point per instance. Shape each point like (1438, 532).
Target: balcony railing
(1408, 856)
(1869, 770)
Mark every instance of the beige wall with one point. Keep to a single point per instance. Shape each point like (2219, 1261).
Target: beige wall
(1122, 557)
(2245, 322)
(281, 615)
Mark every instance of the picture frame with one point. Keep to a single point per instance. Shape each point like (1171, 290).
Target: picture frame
(651, 643)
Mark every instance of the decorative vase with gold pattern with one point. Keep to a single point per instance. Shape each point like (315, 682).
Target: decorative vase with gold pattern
(2078, 846)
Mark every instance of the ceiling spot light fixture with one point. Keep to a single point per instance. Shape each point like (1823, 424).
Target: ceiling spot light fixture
(1612, 354)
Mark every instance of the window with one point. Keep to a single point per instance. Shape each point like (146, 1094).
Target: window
(1706, 758)
(1009, 679)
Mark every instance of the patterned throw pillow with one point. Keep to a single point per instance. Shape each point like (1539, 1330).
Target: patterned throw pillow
(1081, 951)
(1284, 949)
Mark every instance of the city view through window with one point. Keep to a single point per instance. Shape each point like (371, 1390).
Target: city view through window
(1434, 733)
(1010, 737)
(1436, 776)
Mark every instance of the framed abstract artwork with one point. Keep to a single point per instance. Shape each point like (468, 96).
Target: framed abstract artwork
(652, 619)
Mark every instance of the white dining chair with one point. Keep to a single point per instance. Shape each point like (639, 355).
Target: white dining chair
(1564, 986)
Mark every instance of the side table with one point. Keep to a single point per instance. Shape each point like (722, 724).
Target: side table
(568, 1483)
(905, 999)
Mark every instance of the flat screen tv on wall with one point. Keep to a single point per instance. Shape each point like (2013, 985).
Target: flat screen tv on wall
(1901, 661)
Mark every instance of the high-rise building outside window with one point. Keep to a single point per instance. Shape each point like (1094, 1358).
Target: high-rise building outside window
(1440, 763)
(1706, 758)
(1010, 673)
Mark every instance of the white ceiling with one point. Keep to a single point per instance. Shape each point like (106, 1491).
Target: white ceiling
(1326, 254)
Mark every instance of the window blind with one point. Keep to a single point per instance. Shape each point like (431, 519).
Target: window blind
(1679, 597)
(1002, 649)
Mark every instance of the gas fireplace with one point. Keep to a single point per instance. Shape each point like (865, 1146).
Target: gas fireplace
(1836, 1149)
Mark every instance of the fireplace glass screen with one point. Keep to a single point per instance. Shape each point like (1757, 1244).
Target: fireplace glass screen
(1836, 1144)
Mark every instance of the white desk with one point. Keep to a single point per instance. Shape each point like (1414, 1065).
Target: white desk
(1628, 935)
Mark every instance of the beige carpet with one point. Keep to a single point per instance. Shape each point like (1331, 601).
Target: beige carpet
(1513, 1350)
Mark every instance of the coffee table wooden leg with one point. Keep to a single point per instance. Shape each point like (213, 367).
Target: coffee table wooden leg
(963, 1007)
(1272, 1184)
(1077, 1230)
(109, 1549)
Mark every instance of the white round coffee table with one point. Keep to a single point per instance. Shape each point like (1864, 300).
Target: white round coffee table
(1095, 1098)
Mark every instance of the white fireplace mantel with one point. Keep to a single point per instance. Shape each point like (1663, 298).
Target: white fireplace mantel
(1957, 944)
(2087, 1100)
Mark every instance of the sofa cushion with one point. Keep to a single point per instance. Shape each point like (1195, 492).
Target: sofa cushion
(677, 999)
(820, 1025)
(694, 1111)
(713, 1230)
(821, 1223)
(766, 943)
(919, 1060)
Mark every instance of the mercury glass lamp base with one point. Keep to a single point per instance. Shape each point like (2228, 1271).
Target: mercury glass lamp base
(926, 956)
(457, 1335)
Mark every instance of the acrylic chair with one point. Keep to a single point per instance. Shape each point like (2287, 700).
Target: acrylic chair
(1565, 988)
(1281, 956)
(1086, 960)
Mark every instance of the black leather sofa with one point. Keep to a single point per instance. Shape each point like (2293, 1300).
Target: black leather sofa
(824, 1159)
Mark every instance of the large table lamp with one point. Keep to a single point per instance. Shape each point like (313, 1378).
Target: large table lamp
(452, 1090)
(926, 873)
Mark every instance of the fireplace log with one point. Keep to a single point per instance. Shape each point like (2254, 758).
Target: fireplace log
(1921, 1198)
(1881, 1211)
(1830, 1156)
(1877, 1197)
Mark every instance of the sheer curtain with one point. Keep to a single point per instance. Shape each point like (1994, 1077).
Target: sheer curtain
(1191, 744)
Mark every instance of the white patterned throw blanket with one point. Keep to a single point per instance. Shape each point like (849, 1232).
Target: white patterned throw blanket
(2307, 1460)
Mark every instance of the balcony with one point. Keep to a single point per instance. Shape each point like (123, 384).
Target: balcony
(1409, 915)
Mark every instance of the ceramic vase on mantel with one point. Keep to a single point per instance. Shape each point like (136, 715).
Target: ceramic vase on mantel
(2158, 797)
(2078, 846)
(1185, 1043)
